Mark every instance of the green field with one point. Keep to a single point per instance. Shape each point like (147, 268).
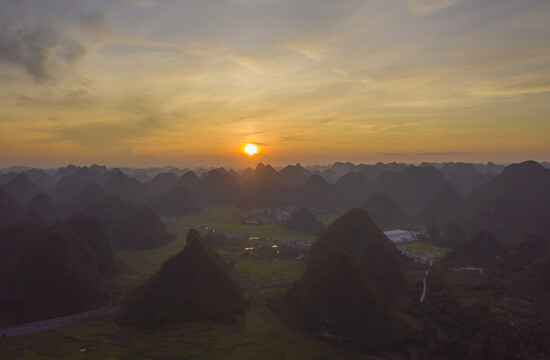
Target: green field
(231, 220)
(423, 247)
(264, 271)
(139, 265)
(257, 335)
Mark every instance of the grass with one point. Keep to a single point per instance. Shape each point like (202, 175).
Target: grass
(140, 265)
(422, 247)
(258, 335)
(264, 271)
(231, 220)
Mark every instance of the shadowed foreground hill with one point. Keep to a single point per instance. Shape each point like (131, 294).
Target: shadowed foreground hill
(383, 267)
(511, 205)
(15, 239)
(482, 250)
(194, 284)
(56, 275)
(303, 220)
(537, 278)
(528, 251)
(349, 233)
(10, 210)
(95, 234)
(334, 299)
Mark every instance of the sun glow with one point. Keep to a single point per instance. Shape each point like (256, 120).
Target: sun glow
(250, 149)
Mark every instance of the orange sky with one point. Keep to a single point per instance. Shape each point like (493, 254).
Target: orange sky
(151, 82)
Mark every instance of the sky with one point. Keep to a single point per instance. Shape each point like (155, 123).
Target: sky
(186, 83)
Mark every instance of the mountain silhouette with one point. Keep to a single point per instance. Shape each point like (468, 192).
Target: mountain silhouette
(21, 188)
(220, 188)
(354, 186)
(293, 175)
(384, 211)
(44, 205)
(40, 178)
(128, 188)
(315, 192)
(264, 195)
(177, 202)
(462, 176)
(162, 183)
(303, 220)
(142, 230)
(412, 188)
(441, 205)
(71, 184)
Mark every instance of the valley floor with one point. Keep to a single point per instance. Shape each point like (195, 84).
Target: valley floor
(258, 334)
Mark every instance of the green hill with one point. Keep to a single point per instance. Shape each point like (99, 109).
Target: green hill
(349, 233)
(194, 284)
(335, 299)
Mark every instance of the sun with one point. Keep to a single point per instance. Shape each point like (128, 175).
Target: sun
(250, 149)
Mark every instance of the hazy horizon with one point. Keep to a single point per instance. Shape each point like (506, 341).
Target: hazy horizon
(253, 163)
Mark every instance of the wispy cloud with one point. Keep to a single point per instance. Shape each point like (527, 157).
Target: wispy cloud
(141, 3)
(422, 7)
(443, 153)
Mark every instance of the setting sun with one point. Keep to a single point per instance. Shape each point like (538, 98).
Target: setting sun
(250, 149)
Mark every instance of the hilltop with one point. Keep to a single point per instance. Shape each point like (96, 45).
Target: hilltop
(349, 233)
